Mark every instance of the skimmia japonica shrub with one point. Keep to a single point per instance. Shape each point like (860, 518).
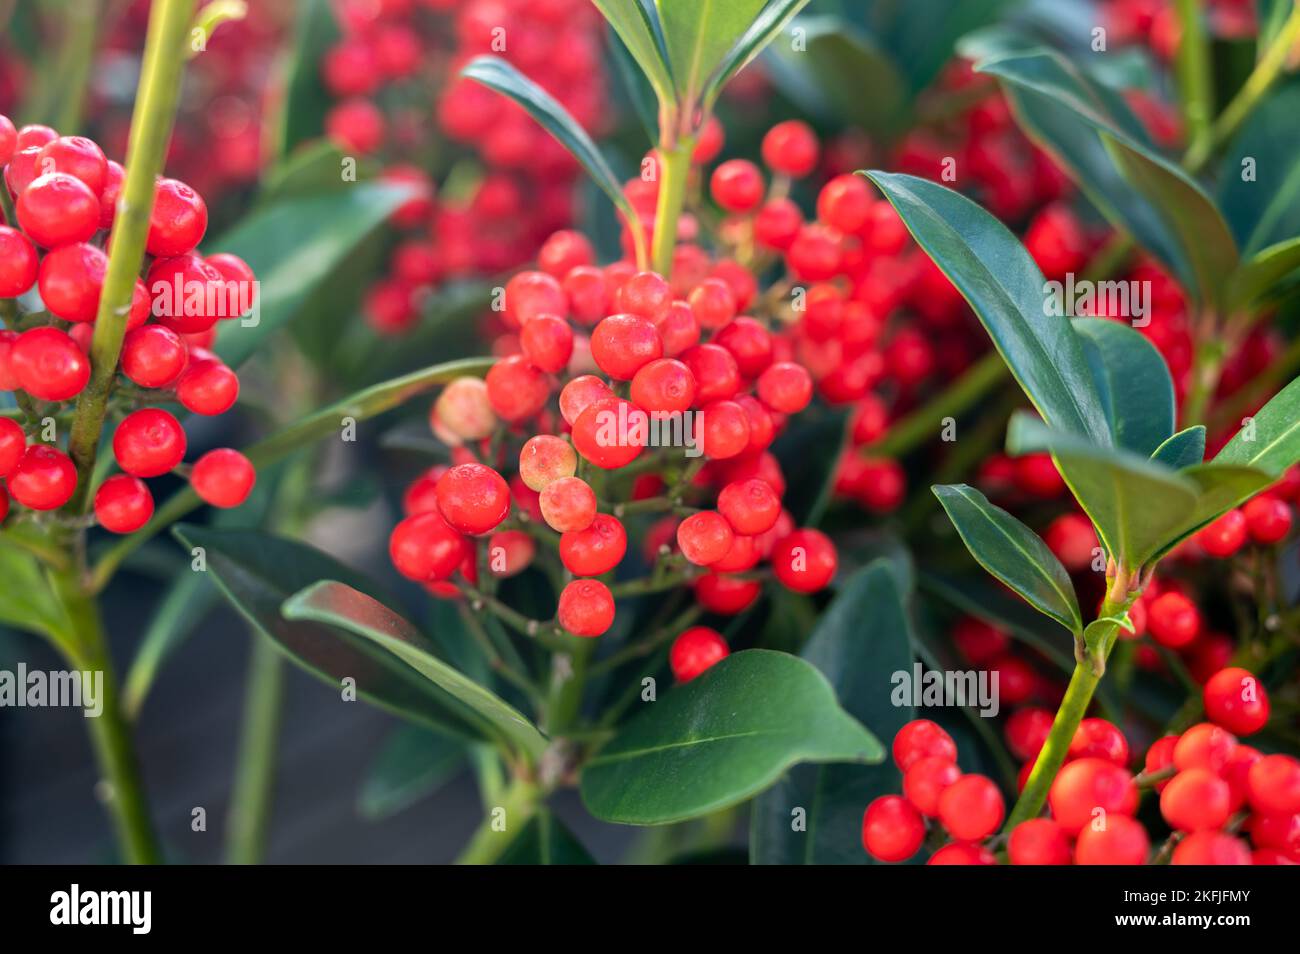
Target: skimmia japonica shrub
(706, 535)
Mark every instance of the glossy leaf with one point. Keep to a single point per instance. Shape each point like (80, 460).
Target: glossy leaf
(1259, 190)
(257, 572)
(26, 599)
(1013, 553)
(721, 738)
(1183, 449)
(699, 35)
(1135, 504)
(1260, 275)
(638, 27)
(305, 100)
(292, 246)
(342, 606)
(1000, 280)
(1133, 381)
(1270, 440)
(1220, 488)
(767, 26)
(412, 764)
(546, 841)
(859, 644)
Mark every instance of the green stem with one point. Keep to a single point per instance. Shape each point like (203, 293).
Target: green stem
(519, 802)
(674, 168)
(77, 56)
(1195, 77)
(151, 125)
(254, 787)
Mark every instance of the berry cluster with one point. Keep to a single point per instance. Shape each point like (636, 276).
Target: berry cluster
(525, 191)
(1210, 788)
(52, 269)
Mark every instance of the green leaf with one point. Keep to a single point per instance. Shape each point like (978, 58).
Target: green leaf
(721, 738)
(1000, 280)
(1013, 553)
(292, 246)
(640, 93)
(809, 456)
(1183, 449)
(305, 100)
(1097, 139)
(639, 29)
(1270, 440)
(1133, 381)
(27, 600)
(1260, 275)
(922, 34)
(769, 24)
(412, 765)
(339, 605)
(495, 73)
(862, 640)
(185, 604)
(257, 572)
(1259, 191)
(1135, 504)
(546, 841)
(699, 35)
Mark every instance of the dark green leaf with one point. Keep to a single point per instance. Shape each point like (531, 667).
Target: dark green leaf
(992, 270)
(1013, 553)
(861, 642)
(412, 765)
(546, 841)
(305, 99)
(1221, 487)
(809, 456)
(720, 739)
(1259, 191)
(773, 19)
(1183, 449)
(1133, 381)
(1270, 440)
(922, 34)
(1260, 275)
(639, 91)
(26, 597)
(699, 35)
(341, 606)
(638, 27)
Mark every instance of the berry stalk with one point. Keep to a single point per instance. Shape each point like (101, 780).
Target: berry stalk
(674, 170)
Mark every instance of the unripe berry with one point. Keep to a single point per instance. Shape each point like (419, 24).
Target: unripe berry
(544, 459)
(704, 537)
(892, 829)
(568, 504)
(921, 739)
(586, 608)
(1236, 700)
(926, 779)
(123, 504)
(48, 364)
(463, 412)
(595, 550)
(44, 478)
(1085, 785)
(223, 478)
(804, 561)
(694, 651)
(1039, 841)
(424, 548)
(1121, 841)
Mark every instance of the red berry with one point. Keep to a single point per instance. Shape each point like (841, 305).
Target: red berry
(704, 537)
(1120, 840)
(1159, 757)
(1036, 475)
(608, 433)
(547, 341)
(13, 442)
(8, 139)
(77, 156)
(473, 498)
(663, 386)
(1026, 732)
(356, 125)
(586, 608)
(717, 376)
(1273, 785)
(207, 387)
(597, 549)
(1072, 538)
(178, 220)
(588, 293)
(712, 303)
(1173, 620)
(737, 185)
(1204, 746)
(186, 293)
(805, 561)
(1057, 241)
(568, 505)
(34, 134)
(1039, 841)
(622, 344)
(971, 808)
(510, 552)
(926, 780)
(48, 364)
(725, 594)
(149, 442)
(1268, 520)
(579, 394)
(1235, 700)
(529, 294)
(978, 641)
(1085, 785)
(725, 429)
(1194, 799)
(1225, 536)
(892, 830)
(58, 209)
(791, 148)
(750, 344)
(516, 389)
(71, 279)
(785, 387)
(123, 504)
(18, 262)
(1211, 848)
(425, 548)
(750, 506)
(564, 251)
(694, 651)
(111, 194)
(845, 203)
(961, 853)
(645, 295)
(1097, 738)
(44, 478)
(223, 478)
(921, 739)
(544, 459)
(709, 142)
(153, 356)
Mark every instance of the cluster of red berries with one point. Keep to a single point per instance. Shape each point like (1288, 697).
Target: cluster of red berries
(526, 190)
(1155, 23)
(52, 261)
(1210, 788)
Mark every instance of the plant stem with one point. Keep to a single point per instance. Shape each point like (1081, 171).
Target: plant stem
(151, 125)
(519, 801)
(674, 168)
(254, 787)
(1195, 79)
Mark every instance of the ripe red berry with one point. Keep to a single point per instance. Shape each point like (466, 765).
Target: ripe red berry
(1194, 799)
(1072, 538)
(791, 148)
(586, 608)
(356, 125)
(123, 504)
(704, 537)
(1085, 785)
(622, 344)
(694, 651)
(424, 548)
(750, 506)
(1236, 700)
(777, 224)
(717, 376)
(48, 364)
(111, 194)
(595, 550)
(1204, 745)
(71, 278)
(207, 387)
(712, 303)
(34, 134)
(1120, 840)
(579, 394)
(58, 209)
(921, 739)
(1273, 785)
(77, 156)
(726, 595)
(608, 433)
(962, 853)
(645, 295)
(1159, 757)
(44, 478)
(223, 478)
(178, 220)
(971, 808)
(926, 779)
(517, 389)
(785, 387)
(1039, 841)
(1036, 475)
(547, 341)
(845, 203)
(737, 185)
(153, 356)
(186, 293)
(13, 442)
(1026, 731)
(1097, 738)
(805, 561)
(8, 139)
(725, 431)
(18, 262)
(1268, 520)
(149, 442)
(473, 498)
(749, 342)
(1173, 620)
(568, 504)
(1224, 536)
(892, 829)
(564, 251)
(663, 386)
(529, 294)
(1211, 848)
